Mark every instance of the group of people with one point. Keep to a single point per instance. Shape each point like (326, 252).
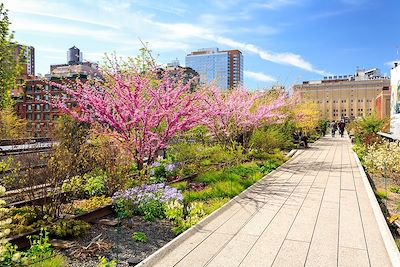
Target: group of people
(338, 126)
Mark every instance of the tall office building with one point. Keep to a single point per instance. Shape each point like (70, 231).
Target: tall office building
(223, 67)
(348, 96)
(28, 56)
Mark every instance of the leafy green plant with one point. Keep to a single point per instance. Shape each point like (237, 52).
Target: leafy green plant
(380, 194)
(103, 262)
(95, 185)
(151, 209)
(213, 204)
(73, 186)
(56, 261)
(40, 248)
(69, 228)
(140, 237)
(174, 211)
(81, 206)
(395, 189)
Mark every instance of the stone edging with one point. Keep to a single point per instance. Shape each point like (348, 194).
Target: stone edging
(387, 237)
(149, 261)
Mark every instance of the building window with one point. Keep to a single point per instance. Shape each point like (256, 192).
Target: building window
(46, 116)
(37, 127)
(29, 107)
(37, 107)
(46, 107)
(37, 97)
(37, 116)
(46, 87)
(29, 116)
(29, 88)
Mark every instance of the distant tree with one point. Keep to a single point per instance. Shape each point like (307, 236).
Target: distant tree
(235, 114)
(10, 66)
(11, 126)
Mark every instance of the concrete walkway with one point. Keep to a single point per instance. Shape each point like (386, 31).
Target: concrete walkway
(313, 211)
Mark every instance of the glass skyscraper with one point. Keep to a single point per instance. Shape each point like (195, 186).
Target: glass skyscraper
(225, 68)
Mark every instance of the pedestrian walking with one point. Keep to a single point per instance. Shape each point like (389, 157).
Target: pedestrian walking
(341, 127)
(333, 128)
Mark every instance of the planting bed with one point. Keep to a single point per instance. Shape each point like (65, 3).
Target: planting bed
(158, 233)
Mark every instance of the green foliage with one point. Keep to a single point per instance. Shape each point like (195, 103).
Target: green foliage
(174, 211)
(139, 237)
(213, 204)
(56, 261)
(395, 189)
(85, 205)
(90, 184)
(40, 248)
(360, 150)
(151, 209)
(11, 126)
(10, 66)
(380, 194)
(365, 129)
(27, 218)
(95, 184)
(180, 185)
(73, 186)
(103, 262)
(69, 228)
(266, 139)
(199, 157)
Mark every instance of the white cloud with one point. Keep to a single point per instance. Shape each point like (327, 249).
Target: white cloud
(259, 76)
(128, 26)
(185, 31)
(46, 8)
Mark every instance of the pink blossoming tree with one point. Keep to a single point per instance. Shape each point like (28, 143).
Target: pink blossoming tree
(235, 114)
(143, 111)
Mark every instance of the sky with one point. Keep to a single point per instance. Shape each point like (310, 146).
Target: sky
(284, 42)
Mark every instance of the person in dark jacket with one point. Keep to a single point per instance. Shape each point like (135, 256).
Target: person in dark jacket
(341, 128)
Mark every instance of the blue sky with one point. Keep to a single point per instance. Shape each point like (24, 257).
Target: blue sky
(283, 41)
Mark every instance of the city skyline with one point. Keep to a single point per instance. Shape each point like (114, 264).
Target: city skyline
(283, 41)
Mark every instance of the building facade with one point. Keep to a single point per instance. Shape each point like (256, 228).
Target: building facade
(28, 56)
(348, 96)
(395, 100)
(225, 68)
(30, 105)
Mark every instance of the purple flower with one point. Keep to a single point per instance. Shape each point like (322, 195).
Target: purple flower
(170, 167)
(156, 164)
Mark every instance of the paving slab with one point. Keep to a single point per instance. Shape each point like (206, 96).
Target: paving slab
(315, 210)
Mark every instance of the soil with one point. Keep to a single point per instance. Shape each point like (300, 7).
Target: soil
(119, 237)
(391, 205)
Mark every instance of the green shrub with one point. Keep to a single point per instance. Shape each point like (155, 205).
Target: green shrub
(56, 261)
(74, 186)
(69, 228)
(103, 262)
(81, 206)
(360, 150)
(380, 194)
(174, 211)
(213, 204)
(40, 248)
(151, 209)
(139, 237)
(395, 189)
(95, 184)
